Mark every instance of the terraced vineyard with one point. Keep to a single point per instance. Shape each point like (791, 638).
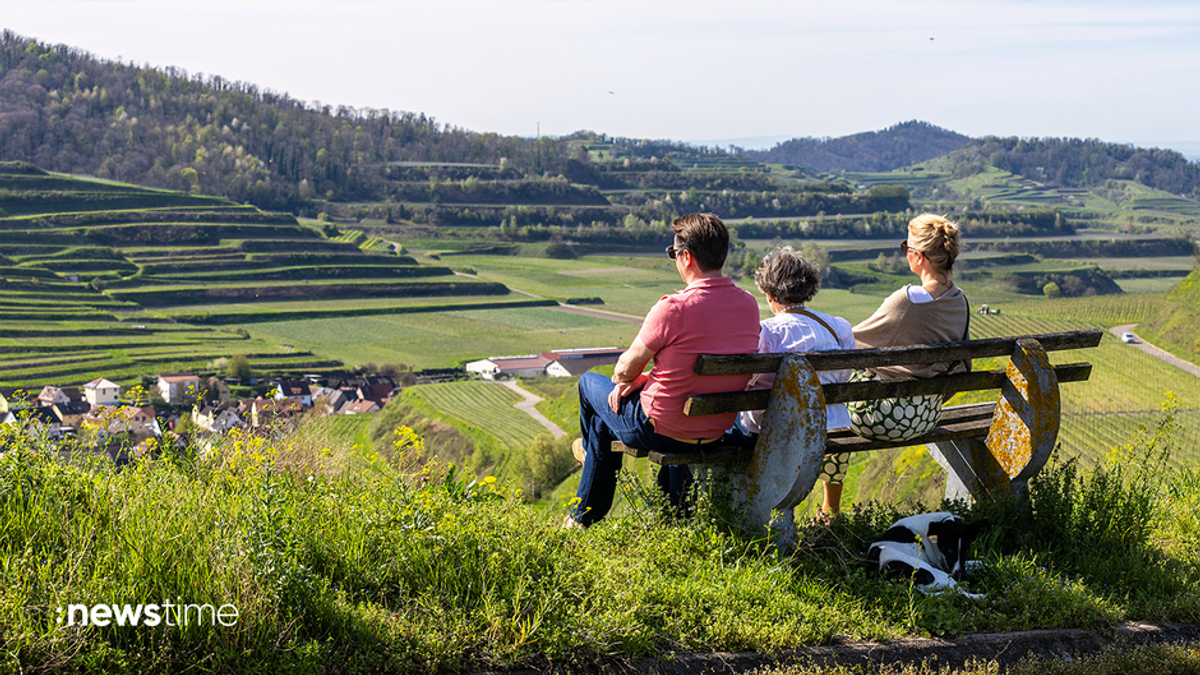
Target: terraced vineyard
(97, 279)
(75, 353)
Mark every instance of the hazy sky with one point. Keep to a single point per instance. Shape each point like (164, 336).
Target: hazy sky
(695, 70)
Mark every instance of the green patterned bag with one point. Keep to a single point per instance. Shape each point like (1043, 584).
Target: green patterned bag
(893, 419)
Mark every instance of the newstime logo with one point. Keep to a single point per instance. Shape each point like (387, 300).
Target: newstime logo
(164, 613)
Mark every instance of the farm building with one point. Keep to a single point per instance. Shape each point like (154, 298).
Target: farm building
(573, 362)
(102, 392)
(558, 363)
(501, 367)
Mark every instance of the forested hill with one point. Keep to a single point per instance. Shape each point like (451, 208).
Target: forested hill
(65, 110)
(1072, 162)
(873, 151)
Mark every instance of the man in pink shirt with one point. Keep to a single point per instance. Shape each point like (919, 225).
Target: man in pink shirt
(709, 316)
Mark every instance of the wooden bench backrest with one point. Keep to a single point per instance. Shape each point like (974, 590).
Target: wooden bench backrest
(947, 385)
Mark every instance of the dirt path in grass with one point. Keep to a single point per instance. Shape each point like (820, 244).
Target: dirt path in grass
(926, 654)
(527, 406)
(1160, 354)
(599, 313)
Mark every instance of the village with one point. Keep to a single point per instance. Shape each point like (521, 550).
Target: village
(181, 406)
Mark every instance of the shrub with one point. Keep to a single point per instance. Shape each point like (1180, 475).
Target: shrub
(561, 251)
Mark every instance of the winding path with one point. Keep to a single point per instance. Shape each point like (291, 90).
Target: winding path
(1160, 354)
(527, 406)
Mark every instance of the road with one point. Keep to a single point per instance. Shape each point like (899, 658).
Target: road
(1160, 354)
(527, 406)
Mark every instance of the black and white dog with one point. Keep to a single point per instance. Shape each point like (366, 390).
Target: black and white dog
(931, 547)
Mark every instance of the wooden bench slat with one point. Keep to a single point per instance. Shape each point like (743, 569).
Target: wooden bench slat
(718, 454)
(953, 414)
(947, 385)
(724, 454)
(942, 432)
(959, 421)
(735, 364)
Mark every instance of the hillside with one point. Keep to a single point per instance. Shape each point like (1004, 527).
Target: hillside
(1173, 323)
(873, 151)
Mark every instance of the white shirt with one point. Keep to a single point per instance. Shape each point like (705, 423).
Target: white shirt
(918, 295)
(788, 332)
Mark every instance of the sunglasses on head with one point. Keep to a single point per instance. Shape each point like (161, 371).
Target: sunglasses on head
(672, 251)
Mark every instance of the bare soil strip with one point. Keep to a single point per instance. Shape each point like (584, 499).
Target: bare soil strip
(610, 270)
(599, 314)
(1004, 648)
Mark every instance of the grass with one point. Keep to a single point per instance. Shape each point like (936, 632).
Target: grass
(387, 569)
(1152, 285)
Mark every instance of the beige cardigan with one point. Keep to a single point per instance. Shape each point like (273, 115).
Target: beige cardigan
(899, 321)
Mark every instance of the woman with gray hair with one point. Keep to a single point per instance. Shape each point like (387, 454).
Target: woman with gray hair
(789, 282)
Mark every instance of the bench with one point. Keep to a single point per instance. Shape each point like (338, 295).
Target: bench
(987, 449)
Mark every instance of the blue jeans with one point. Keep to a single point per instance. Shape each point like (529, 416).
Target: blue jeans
(600, 426)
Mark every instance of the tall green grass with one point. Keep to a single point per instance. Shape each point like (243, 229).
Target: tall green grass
(379, 562)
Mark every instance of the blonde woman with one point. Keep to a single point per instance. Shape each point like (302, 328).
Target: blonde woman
(933, 311)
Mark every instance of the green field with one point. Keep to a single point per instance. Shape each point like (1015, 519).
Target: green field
(487, 406)
(1152, 285)
(446, 339)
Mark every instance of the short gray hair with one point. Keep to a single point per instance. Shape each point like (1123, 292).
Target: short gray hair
(786, 277)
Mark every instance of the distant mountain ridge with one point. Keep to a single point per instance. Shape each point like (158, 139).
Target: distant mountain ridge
(871, 151)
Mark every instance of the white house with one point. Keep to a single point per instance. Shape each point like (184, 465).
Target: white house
(217, 421)
(102, 392)
(52, 394)
(293, 390)
(178, 388)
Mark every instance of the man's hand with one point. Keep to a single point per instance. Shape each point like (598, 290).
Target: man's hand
(623, 389)
(627, 375)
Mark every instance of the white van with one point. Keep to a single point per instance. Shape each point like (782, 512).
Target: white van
(1128, 338)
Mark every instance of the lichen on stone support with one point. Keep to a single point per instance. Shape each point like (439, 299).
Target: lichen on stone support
(1021, 438)
(788, 456)
(1025, 426)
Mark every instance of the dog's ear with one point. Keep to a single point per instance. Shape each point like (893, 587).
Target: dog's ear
(895, 569)
(899, 534)
(873, 555)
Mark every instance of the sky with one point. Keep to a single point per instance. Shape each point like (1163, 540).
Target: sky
(750, 72)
